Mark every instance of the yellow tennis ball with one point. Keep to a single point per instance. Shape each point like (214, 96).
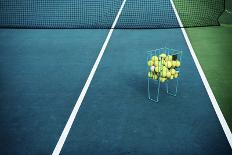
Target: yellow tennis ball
(171, 77)
(169, 57)
(173, 71)
(163, 55)
(156, 63)
(157, 69)
(155, 77)
(164, 68)
(173, 63)
(168, 64)
(154, 58)
(162, 79)
(177, 63)
(169, 74)
(149, 74)
(165, 59)
(150, 63)
(176, 75)
(163, 73)
(163, 62)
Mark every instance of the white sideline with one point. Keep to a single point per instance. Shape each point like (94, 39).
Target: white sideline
(206, 84)
(71, 119)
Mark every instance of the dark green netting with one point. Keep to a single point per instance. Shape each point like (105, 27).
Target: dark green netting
(101, 13)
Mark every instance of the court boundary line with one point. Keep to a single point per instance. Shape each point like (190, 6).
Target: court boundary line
(72, 117)
(214, 102)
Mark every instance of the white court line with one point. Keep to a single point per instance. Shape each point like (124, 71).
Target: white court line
(70, 121)
(206, 84)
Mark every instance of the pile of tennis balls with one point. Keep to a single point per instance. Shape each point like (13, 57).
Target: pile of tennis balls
(163, 67)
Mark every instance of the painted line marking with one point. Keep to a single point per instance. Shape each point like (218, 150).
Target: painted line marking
(72, 117)
(216, 107)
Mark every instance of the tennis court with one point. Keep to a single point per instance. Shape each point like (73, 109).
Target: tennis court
(78, 84)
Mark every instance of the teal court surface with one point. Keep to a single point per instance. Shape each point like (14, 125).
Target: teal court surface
(84, 92)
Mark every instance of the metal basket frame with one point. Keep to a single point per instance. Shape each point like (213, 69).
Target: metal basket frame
(157, 52)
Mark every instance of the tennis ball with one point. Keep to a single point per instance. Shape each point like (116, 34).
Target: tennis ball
(173, 71)
(176, 75)
(155, 77)
(152, 68)
(169, 57)
(163, 62)
(154, 58)
(169, 74)
(168, 64)
(150, 63)
(163, 55)
(150, 74)
(162, 79)
(164, 68)
(171, 77)
(156, 63)
(173, 63)
(163, 73)
(160, 63)
(166, 58)
(177, 63)
(157, 69)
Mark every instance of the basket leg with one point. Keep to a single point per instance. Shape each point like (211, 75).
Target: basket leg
(156, 94)
(176, 88)
(148, 88)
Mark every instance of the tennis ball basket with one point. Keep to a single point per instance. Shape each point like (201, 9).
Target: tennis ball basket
(163, 67)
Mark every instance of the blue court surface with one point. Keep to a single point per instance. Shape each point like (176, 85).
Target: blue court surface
(59, 96)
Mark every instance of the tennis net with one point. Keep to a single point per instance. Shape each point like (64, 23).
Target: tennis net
(101, 13)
